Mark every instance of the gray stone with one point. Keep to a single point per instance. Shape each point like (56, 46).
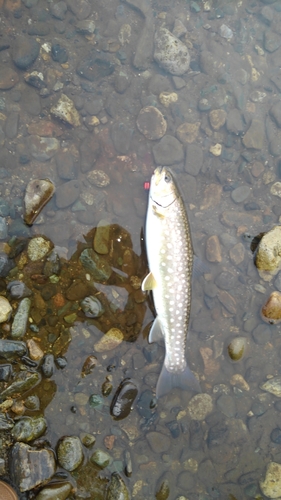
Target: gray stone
(59, 10)
(158, 441)
(272, 41)
(194, 159)
(275, 112)
(234, 122)
(121, 136)
(227, 405)
(43, 148)
(275, 145)
(31, 467)
(20, 320)
(101, 458)
(25, 51)
(261, 334)
(27, 429)
(70, 453)
(240, 194)
(168, 151)
(273, 386)
(170, 53)
(11, 125)
(67, 193)
(255, 135)
(3, 228)
(12, 348)
(65, 165)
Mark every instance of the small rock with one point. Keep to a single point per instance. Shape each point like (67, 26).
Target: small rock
(273, 386)
(101, 458)
(123, 399)
(70, 453)
(67, 193)
(267, 255)
(28, 429)
(58, 491)
(236, 348)
(92, 307)
(38, 247)
(216, 149)
(271, 486)
(225, 32)
(98, 178)
(96, 265)
(217, 118)
(240, 194)
(5, 310)
(151, 123)
(65, 110)
(38, 193)
(271, 311)
(234, 122)
(25, 51)
(31, 467)
(101, 238)
(255, 135)
(193, 159)
(168, 151)
(59, 10)
(158, 442)
(211, 196)
(188, 132)
(117, 489)
(8, 78)
(35, 352)
(200, 406)
(227, 406)
(237, 254)
(167, 98)
(170, 53)
(43, 148)
(261, 334)
(110, 340)
(275, 112)
(213, 249)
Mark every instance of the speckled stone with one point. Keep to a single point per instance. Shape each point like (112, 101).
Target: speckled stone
(200, 406)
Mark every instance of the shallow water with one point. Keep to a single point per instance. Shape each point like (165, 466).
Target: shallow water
(225, 454)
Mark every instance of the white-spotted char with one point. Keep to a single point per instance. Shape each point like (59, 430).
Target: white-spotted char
(170, 260)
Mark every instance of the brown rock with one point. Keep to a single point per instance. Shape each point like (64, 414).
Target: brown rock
(12, 5)
(271, 311)
(213, 249)
(44, 128)
(211, 365)
(233, 218)
(237, 254)
(227, 301)
(217, 118)
(8, 78)
(188, 132)
(257, 169)
(211, 196)
(151, 123)
(35, 352)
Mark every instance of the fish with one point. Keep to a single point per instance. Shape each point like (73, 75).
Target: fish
(170, 262)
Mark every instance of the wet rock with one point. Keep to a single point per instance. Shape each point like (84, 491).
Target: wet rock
(217, 435)
(144, 50)
(213, 249)
(5, 372)
(101, 458)
(70, 453)
(240, 194)
(275, 113)
(170, 53)
(59, 54)
(67, 193)
(98, 178)
(27, 429)
(20, 319)
(12, 348)
(168, 151)
(24, 381)
(273, 386)
(81, 8)
(43, 148)
(95, 67)
(18, 290)
(6, 423)
(38, 193)
(271, 486)
(101, 238)
(59, 10)
(110, 340)
(32, 402)
(261, 334)
(272, 41)
(271, 311)
(117, 489)
(167, 98)
(48, 365)
(237, 254)
(35, 351)
(11, 125)
(268, 255)
(38, 247)
(121, 136)
(121, 82)
(225, 280)
(58, 491)
(211, 196)
(227, 405)
(225, 32)
(5, 309)
(217, 118)
(275, 436)
(92, 307)
(90, 152)
(255, 135)
(25, 51)
(151, 123)
(8, 78)
(234, 122)
(31, 467)
(200, 406)
(188, 132)
(158, 442)
(35, 79)
(88, 366)
(96, 265)
(236, 348)
(123, 399)
(65, 165)
(65, 110)
(193, 159)
(276, 190)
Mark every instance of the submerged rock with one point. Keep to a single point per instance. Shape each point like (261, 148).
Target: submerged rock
(200, 406)
(57, 491)
(271, 486)
(271, 311)
(23, 382)
(11, 348)
(21, 317)
(273, 386)
(70, 453)
(117, 489)
(27, 429)
(18, 290)
(170, 53)
(110, 340)
(92, 307)
(101, 458)
(96, 265)
(5, 309)
(38, 193)
(65, 110)
(31, 467)
(236, 348)
(38, 247)
(151, 123)
(123, 399)
(268, 254)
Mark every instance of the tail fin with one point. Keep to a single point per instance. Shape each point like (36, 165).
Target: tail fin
(185, 380)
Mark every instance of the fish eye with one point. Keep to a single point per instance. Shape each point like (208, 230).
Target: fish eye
(167, 177)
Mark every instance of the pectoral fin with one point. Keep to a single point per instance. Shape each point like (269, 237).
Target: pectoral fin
(155, 333)
(148, 283)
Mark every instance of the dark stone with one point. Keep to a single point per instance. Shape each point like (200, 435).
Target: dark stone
(5, 372)
(67, 193)
(65, 165)
(252, 374)
(59, 10)
(258, 408)
(121, 136)
(31, 467)
(25, 51)
(275, 436)
(59, 54)
(123, 399)
(11, 348)
(11, 125)
(90, 151)
(48, 365)
(174, 428)
(6, 265)
(217, 434)
(144, 404)
(225, 280)
(18, 290)
(196, 435)
(95, 67)
(38, 29)
(261, 334)
(168, 151)
(194, 159)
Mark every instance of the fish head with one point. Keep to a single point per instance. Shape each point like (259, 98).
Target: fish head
(163, 190)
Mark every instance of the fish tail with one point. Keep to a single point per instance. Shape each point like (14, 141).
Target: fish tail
(185, 380)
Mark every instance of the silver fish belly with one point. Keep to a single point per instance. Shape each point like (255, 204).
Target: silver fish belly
(170, 259)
